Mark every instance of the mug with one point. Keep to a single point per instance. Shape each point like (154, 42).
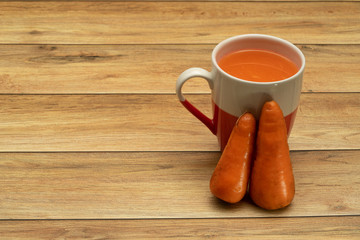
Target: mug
(231, 96)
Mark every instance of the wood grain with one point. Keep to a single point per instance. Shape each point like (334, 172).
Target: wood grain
(95, 145)
(68, 69)
(239, 229)
(175, 22)
(156, 123)
(147, 185)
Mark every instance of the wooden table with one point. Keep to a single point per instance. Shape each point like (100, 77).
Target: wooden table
(95, 145)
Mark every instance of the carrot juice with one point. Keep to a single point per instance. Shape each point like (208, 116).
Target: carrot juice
(258, 65)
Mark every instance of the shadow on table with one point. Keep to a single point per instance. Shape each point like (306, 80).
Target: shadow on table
(247, 203)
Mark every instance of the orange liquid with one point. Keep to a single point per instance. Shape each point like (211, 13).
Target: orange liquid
(258, 65)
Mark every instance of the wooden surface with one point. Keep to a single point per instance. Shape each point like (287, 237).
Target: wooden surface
(176, 22)
(150, 185)
(95, 145)
(88, 69)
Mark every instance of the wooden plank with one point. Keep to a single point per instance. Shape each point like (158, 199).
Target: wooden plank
(261, 228)
(134, 69)
(317, 123)
(156, 123)
(175, 22)
(146, 185)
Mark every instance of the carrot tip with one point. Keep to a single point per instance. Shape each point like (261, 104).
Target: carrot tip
(247, 117)
(270, 105)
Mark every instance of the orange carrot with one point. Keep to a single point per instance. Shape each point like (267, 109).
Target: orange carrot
(230, 178)
(272, 181)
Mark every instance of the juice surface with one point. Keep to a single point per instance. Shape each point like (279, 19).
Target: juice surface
(258, 65)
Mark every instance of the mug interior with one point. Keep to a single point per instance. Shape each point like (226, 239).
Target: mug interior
(261, 42)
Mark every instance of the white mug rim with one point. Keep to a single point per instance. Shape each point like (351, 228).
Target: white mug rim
(283, 41)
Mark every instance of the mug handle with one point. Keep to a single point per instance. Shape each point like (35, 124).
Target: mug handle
(186, 75)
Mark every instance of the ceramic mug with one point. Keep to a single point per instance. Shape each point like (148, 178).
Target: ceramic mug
(231, 96)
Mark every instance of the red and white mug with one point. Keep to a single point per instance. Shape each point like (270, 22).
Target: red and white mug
(231, 96)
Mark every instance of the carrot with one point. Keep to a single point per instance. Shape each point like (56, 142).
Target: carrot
(230, 178)
(272, 184)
